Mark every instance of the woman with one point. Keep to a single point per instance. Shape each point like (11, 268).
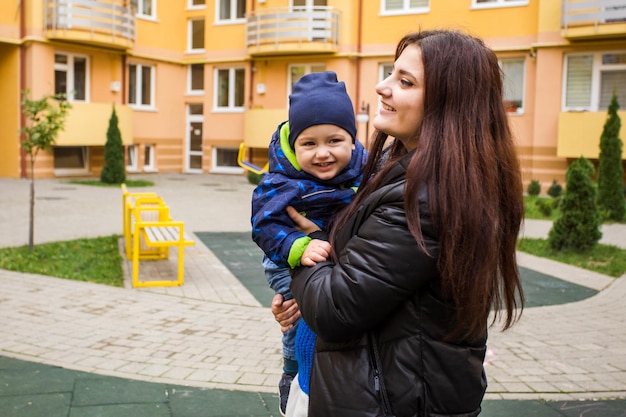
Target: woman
(426, 250)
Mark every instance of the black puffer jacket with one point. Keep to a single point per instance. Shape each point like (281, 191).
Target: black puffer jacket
(381, 321)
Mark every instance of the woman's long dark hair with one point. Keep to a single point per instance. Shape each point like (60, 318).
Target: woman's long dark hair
(467, 158)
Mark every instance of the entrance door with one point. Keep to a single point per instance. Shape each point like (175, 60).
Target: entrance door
(195, 122)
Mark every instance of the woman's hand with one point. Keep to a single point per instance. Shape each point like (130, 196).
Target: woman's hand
(286, 313)
(303, 224)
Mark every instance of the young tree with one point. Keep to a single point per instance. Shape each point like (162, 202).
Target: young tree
(114, 170)
(610, 169)
(45, 119)
(578, 227)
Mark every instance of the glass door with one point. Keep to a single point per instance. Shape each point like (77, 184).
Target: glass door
(194, 151)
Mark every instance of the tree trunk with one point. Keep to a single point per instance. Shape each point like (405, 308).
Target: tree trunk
(31, 224)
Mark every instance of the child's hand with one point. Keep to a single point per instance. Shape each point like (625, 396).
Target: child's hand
(316, 251)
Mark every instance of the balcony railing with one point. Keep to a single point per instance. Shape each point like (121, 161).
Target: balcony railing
(293, 30)
(108, 22)
(587, 19)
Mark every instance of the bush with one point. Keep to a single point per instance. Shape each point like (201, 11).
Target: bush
(610, 168)
(578, 227)
(114, 169)
(545, 206)
(534, 188)
(254, 178)
(555, 189)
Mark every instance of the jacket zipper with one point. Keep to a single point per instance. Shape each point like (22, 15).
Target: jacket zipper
(379, 380)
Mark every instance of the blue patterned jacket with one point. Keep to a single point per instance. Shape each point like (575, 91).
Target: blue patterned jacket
(287, 185)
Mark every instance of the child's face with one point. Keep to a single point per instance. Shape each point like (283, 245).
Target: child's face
(323, 150)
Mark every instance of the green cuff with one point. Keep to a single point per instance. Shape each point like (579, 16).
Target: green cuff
(296, 251)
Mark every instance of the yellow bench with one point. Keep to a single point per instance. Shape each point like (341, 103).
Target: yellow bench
(161, 233)
(246, 164)
(129, 200)
(149, 232)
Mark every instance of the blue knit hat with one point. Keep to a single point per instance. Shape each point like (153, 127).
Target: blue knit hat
(318, 98)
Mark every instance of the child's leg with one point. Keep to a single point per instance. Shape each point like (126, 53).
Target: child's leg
(279, 280)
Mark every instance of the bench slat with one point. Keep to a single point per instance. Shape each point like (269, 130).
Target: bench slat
(161, 234)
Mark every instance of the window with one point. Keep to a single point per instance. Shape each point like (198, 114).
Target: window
(145, 8)
(383, 72)
(224, 160)
(196, 35)
(148, 158)
(404, 6)
(131, 158)
(71, 76)
(70, 160)
(230, 10)
(592, 79)
(297, 71)
(229, 88)
(141, 86)
(196, 4)
(498, 3)
(513, 69)
(195, 79)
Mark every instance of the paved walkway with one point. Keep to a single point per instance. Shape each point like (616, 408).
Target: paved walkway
(212, 333)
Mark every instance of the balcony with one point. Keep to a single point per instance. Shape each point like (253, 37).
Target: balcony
(109, 23)
(260, 125)
(295, 30)
(87, 124)
(593, 19)
(579, 134)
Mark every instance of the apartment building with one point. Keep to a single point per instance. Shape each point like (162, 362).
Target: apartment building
(193, 80)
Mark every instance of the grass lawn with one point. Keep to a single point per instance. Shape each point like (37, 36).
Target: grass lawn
(95, 260)
(98, 183)
(532, 208)
(604, 259)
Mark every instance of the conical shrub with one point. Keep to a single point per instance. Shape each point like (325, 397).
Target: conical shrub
(114, 169)
(578, 227)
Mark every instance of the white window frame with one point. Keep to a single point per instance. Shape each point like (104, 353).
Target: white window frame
(190, 48)
(384, 70)
(191, 6)
(233, 12)
(138, 86)
(141, 6)
(190, 90)
(231, 90)
(221, 169)
(70, 74)
(306, 69)
(493, 4)
(507, 82)
(149, 156)
(131, 158)
(406, 8)
(596, 78)
(84, 170)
